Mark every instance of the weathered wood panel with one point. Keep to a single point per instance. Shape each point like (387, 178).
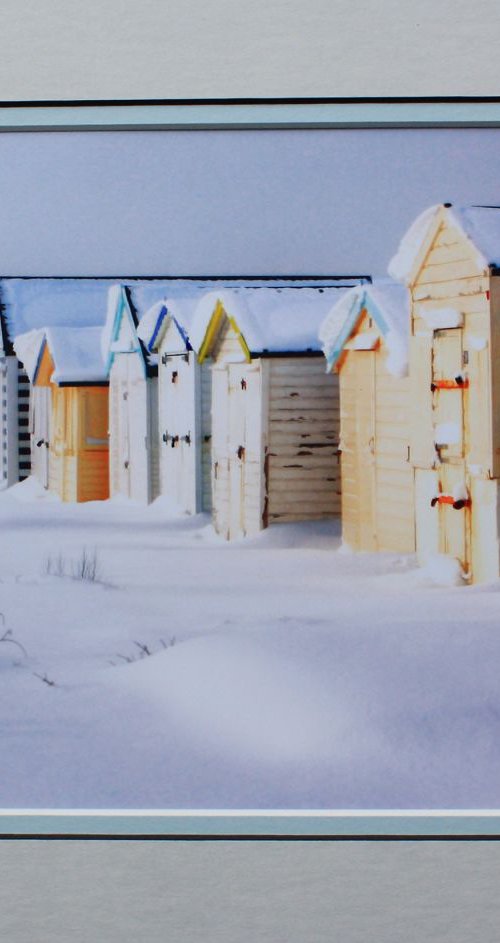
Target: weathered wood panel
(303, 431)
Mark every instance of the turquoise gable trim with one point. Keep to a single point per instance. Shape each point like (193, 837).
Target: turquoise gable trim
(365, 302)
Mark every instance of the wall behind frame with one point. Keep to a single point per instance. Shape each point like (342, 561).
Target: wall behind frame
(55, 891)
(239, 892)
(65, 49)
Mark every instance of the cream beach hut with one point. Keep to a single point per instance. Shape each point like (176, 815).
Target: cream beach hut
(450, 261)
(133, 401)
(28, 306)
(70, 364)
(365, 340)
(274, 409)
(184, 397)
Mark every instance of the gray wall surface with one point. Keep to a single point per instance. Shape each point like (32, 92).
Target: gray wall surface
(241, 892)
(124, 49)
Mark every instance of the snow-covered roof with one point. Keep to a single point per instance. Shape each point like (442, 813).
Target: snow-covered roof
(28, 348)
(270, 320)
(31, 303)
(479, 224)
(388, 303)
(76, 353)
(181, 310)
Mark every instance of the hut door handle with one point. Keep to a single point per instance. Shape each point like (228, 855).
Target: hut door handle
(240, 451)
(371, 444)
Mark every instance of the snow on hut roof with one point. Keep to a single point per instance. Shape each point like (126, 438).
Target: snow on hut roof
(274, 320)
(181, 310)
(388, 302)
(31, 303)
(28, 348)
(76, 353)
(480, 224)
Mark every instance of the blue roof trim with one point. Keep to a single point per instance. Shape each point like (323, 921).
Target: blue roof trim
(122, 308)
(159, 321)
(360, 303)
(164, 313)
(183, 333)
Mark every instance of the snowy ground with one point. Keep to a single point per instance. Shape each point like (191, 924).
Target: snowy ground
(282, 673)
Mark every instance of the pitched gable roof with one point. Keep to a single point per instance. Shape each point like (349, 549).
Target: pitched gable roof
(388, 303)
(271, 320)
(479, 224)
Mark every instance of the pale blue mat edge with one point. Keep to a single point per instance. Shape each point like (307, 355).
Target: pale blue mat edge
(251, 824)
(264, 115)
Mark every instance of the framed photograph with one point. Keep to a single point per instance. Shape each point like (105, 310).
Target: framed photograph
(267, 609)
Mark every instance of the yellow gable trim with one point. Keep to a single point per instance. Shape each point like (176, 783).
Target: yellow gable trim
(213, 330)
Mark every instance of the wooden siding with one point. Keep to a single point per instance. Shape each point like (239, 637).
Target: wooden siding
(79, 453)
(378, 504)
(40, 413)
(130, 442)
(178, 391)
(153, 439)
(237, 455)
(206, 435)
(450, 276)
(227, 345)
(303, 472)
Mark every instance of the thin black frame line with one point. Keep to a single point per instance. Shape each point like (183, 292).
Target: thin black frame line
(191, 278)
(197, 102)
(77, 836)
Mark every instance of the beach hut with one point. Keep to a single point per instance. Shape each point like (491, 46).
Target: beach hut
(15, 451)
(184, 395)
(274, 408)
(450, 260)
(365, 340)
(68, 362)
(27, 347)
(28, 305)
(133, 401)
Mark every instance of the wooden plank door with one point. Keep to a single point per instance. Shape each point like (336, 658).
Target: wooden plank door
(449, 437)
(119, 439)
(448, 411)
(237, 449)
(220, 449)
(358, 448)
(40, 435)
(45, 404)
(245, 449)
(137, 424)
(365, 429)
(153, 438)
(179, 419)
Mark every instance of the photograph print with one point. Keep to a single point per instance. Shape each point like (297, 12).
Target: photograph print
(250, 466)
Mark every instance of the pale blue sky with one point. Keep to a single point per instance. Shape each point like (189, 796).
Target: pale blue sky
(229, 202)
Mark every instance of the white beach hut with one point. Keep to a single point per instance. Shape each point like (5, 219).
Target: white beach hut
(275, 411)
(184, 398)
(133, 401)
(15, 446)
(365, 340)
